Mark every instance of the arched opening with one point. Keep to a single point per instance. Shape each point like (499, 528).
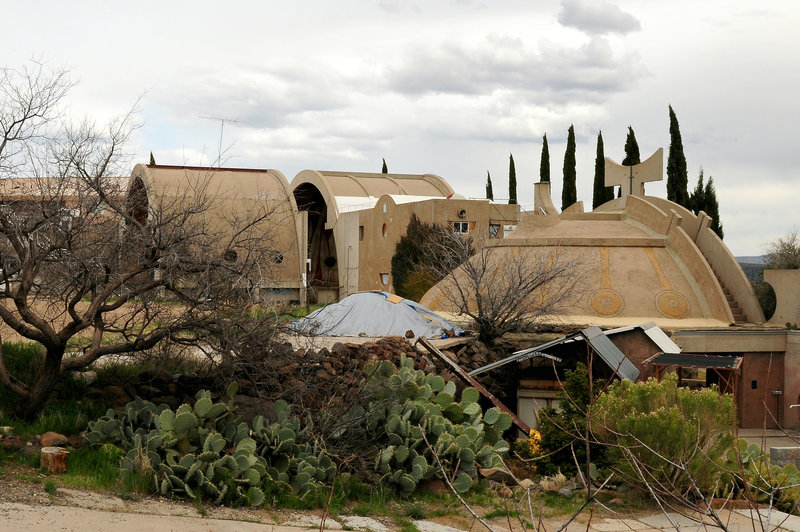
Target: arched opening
(323, 272)
(137, 201)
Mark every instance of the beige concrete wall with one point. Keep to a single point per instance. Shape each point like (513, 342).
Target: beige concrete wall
(689, 221)
(786, 284)
(701, 272)
(730, 273)
(542, 200)
(647, 214)
(731, 341)
(382, 230)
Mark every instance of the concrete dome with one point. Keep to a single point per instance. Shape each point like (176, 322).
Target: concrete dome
(637, 259)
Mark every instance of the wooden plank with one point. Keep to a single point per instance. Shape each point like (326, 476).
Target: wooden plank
(475, 384)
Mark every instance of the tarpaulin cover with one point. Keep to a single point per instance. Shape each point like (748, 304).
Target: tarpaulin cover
(375, 314)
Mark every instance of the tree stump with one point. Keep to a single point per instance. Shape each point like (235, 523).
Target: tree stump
(53, 459)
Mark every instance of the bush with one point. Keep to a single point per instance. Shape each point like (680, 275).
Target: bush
(653, 426)
(563, 431)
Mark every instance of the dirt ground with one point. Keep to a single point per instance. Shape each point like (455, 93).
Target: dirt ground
(26, 505)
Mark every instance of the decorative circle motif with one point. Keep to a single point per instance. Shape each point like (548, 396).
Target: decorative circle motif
(672, 304)
(606, 302)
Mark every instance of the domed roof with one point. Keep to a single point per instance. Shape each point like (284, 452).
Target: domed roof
(636, 259)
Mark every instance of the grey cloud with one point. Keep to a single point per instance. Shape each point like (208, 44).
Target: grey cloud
(596, 17)
(258, 99)
(555, 74)
(397, 6)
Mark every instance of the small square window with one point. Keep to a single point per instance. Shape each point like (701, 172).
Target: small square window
(461, 228)
(754, 385)
(494, 230)
(361, 232)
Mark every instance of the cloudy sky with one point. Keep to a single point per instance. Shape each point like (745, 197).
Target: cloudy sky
(448, 87)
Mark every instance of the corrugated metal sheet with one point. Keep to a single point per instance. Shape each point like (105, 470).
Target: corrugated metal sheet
(695, 361)
(610, 353)
(596, 338)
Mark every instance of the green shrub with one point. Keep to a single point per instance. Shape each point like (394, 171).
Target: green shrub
(658, 424)
(563, 431)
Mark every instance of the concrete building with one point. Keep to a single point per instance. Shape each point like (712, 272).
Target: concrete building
(642, 258)
(354, 221)
(230, 197)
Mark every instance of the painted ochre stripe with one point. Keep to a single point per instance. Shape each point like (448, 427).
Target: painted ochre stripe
(657, 267)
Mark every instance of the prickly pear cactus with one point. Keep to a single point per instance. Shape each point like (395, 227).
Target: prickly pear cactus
(410, 404)
(205, 452)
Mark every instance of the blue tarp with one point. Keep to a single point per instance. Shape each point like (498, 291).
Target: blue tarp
(375, 314)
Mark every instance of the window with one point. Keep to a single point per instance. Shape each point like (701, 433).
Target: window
(385, 278)
(461, 228)
(385, 231)
(384, 207)
(361, 232)
(494, 230)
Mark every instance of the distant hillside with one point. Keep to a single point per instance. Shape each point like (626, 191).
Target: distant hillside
(754, 259)
(753, 267)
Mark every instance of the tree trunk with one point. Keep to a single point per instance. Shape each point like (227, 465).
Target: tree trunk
(43, 384)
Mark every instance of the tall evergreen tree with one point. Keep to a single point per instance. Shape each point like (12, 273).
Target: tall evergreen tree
(601, 192)
(569, 193)
(704, 198)
(489, 191)
(384, 169)
(712, 208)
(152, 159)
(512, 181)
(677, 178)
(696, 199)
(544, 164)
(631, 149)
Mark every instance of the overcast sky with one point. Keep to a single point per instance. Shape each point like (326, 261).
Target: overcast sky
(446, 87)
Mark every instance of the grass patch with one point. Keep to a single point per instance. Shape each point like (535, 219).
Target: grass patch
(50, 487)
(416, 509)
(94, 468)
(501, 512)
(70, 416)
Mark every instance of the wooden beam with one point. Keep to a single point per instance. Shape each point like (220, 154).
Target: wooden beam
(475, 384)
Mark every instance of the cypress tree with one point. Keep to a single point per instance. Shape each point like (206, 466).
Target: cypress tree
(544, 164)
(696, 200)
(384, 169)
(152, 159)
(677, 178)
(601, 193)
(631, 149)
(489, 191)
(512, 181)
(569, 193)
(712, 208)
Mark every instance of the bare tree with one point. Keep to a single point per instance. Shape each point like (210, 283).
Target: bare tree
(504, 288)
(104, 265)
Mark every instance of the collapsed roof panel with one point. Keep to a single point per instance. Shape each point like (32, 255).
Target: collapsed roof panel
(599, 342)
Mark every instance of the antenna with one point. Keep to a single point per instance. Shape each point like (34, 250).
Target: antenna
(221, 129)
